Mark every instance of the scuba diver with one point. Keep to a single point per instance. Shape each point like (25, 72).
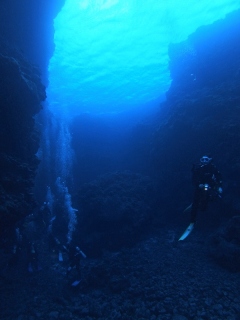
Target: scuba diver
(55, 246)
(44, 215)
(74, 256)
(207, 182)
(32, 257)
(16, 249)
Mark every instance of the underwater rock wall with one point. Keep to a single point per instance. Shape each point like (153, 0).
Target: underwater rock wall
(28, 26)
(201, 115)
(26, 44)
(21, 93)
(115, 210)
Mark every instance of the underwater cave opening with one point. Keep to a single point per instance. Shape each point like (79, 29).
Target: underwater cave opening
(110, 60)
(112, 55)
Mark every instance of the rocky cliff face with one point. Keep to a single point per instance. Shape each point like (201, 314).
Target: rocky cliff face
(28, 26)
(201, 115)
(26, 44)
(21, 93)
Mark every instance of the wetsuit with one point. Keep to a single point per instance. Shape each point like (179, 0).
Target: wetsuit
(201, 175)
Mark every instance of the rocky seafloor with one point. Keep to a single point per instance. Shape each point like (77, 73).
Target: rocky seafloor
(160, 278)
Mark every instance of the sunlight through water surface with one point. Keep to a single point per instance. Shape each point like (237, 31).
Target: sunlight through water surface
(112, 55)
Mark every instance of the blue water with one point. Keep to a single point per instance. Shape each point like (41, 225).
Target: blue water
(112, 55)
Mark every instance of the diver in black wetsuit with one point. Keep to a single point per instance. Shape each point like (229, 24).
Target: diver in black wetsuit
(32, 256)
(75, 255)
(207, 181)
(16, 249)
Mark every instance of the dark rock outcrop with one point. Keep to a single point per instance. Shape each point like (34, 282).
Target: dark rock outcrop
(21, 93)
(26, 41)
(28, 26)
(224, 245)
(114, 210)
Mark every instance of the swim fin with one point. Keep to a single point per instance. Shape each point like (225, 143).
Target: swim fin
(188, 208)
(187, 232)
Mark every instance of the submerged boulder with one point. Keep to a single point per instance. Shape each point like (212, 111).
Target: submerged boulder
(224, 245)
(115, 209)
